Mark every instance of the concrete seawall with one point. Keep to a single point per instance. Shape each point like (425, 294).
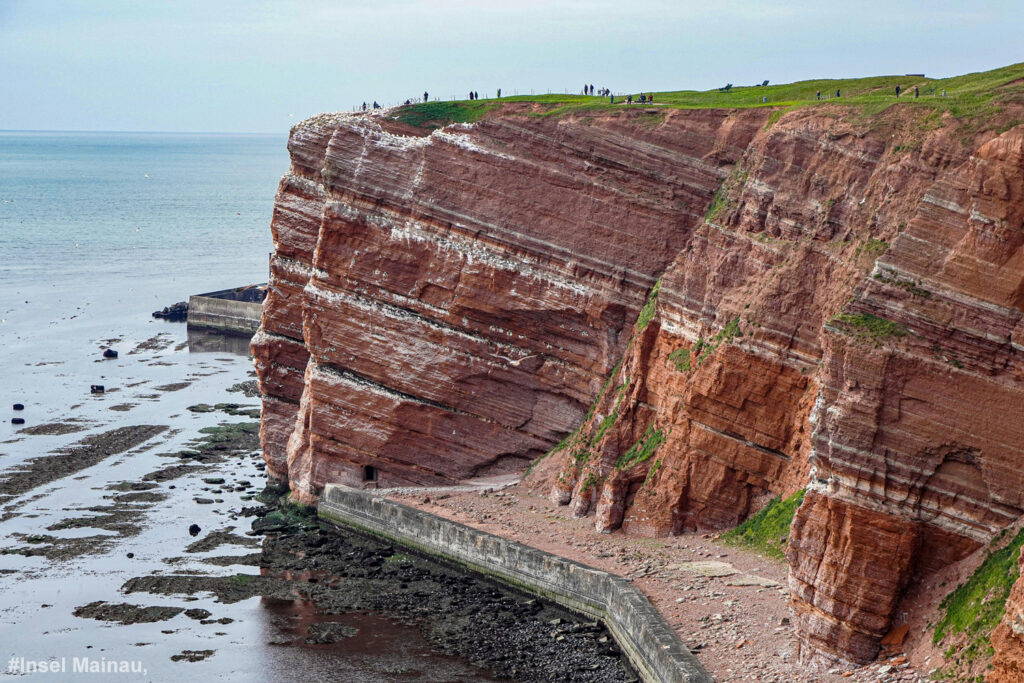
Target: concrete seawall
(651, 645)
(234, 311)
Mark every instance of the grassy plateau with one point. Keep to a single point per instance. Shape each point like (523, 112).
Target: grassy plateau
(966, 97)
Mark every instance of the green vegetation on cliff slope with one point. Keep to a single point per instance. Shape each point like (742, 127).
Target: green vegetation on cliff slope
(970, 96)
(867, 327)
(767, 531)
(971, 611)
(642, 450)
(440, 114)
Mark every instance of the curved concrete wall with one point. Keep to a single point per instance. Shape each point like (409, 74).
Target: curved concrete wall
(651, 645)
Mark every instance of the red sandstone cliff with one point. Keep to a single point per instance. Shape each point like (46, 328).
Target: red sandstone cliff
(447, 305)
(838, 305)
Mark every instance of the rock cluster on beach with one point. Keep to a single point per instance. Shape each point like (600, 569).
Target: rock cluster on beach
(724, 306)
(174, 313)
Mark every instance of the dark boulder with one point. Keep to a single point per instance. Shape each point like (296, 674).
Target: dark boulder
(175, 313)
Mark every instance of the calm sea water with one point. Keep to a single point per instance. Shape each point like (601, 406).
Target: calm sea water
(96, 232)
(127, 221)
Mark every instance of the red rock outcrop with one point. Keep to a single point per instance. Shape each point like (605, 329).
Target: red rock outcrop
(462, 295)
(832, 301)
(919, 419)
(1008, 636)
(776, 345)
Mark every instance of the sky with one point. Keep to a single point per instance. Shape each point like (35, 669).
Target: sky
(255, 66)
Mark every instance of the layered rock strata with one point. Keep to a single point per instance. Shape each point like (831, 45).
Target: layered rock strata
(462, 295)
(704, 309)
(919, 426)
(847, 319)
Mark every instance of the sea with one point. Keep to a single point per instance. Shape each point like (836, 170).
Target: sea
(97, 231)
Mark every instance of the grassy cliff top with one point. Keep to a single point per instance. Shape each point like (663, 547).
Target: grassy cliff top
(967, 96)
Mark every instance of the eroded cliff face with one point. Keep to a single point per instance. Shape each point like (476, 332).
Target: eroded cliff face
(446, 306)
(919, 433)
(703, 309)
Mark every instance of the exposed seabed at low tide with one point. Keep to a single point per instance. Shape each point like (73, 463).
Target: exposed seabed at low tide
(97, 496)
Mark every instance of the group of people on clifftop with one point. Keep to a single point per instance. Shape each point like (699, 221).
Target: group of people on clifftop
(917, 93)
(588, 89)
(642, 99)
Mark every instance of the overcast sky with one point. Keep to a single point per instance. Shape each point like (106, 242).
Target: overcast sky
(254, 66)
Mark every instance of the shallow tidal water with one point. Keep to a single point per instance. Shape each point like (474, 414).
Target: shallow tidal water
(97, 231)
(100, 489)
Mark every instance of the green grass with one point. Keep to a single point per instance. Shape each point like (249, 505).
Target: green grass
(977, 605)
(970, 97)
(438, 114)
(967, 96)
(590, 482)
(647, 312)
(871, 248)
(680, 358)
(607, 422)
(654, 470)
(643, 449)
(704, 348)
(767, 531)
(913, 288)
(867, 327)
(241, 580)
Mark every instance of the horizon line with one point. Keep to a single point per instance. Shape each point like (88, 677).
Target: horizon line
(139, 132)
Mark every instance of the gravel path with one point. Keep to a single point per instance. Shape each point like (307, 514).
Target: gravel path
(731, 606)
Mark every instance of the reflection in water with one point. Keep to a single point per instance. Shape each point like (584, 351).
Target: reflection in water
(205, 341)
(305, 644)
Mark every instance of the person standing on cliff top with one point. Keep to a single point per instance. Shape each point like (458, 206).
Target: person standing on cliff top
(916, 92)
(837, 92)
(898, 90)
(819, 96)
(425, 96)
(499, 93)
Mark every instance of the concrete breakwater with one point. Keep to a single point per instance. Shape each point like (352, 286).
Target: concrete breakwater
(651, 645)
(231, 311)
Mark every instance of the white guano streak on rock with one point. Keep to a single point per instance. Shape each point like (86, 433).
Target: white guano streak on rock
(377, 308)
(411, 231)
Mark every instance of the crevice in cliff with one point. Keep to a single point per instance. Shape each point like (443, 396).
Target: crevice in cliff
(378, 307)
(344, 375)
(745, 441)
